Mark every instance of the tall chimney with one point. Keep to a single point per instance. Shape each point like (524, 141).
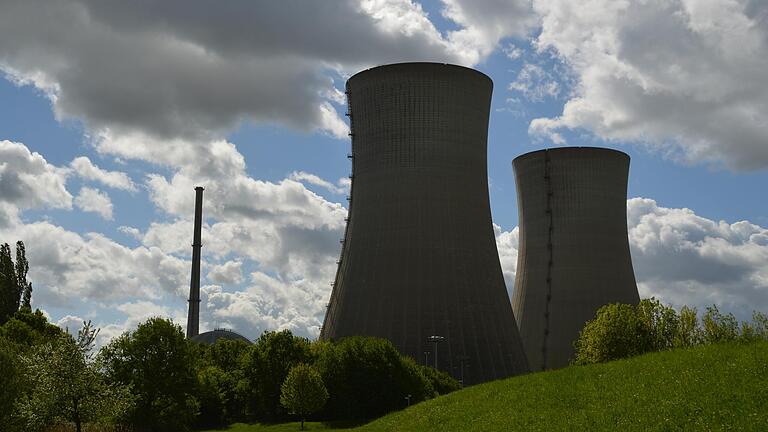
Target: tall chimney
(193, 317)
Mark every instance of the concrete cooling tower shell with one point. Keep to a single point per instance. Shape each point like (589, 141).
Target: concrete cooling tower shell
(419, 257)
(573, 255)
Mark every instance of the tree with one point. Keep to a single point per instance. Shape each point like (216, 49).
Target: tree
(616, 332)
(155, 360)
(718, 327)
(220, 382)
(367, 377)
(267, 364)
(303, 392)
(66, 385)
(11, 380)
(22, 267)
(10, 292)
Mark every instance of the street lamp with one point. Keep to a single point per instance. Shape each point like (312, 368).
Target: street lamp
(426, 358)
(462, 359)
(436, 339)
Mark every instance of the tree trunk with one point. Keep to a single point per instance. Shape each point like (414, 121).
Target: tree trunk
(302, 424)
(77, 417)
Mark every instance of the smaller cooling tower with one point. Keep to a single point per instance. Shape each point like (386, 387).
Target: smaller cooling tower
(574, 254)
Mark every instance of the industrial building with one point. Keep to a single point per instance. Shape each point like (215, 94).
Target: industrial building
(419, 264)
(573, 255)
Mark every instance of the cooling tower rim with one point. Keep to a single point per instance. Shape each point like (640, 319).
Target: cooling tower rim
(572, 149)
(419, 64)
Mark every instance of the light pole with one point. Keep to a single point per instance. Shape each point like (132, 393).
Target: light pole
(436, 339)
(426, 358)
(462, 359)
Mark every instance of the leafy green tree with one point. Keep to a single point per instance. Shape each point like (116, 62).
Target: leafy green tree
(616, 332)
(22, 267)
(67, 386)
(661, 321)
(267, 363)
(155, 360)
(221, 386)
(10, 292)
(27, 329)
(688, 330)
(11, 383)
(718, 327)
(367, 377)
(303, 392)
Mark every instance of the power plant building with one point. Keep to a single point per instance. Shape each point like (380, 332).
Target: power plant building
(573, 254)
(419, 264)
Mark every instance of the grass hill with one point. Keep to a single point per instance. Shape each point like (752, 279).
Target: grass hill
(715, 387)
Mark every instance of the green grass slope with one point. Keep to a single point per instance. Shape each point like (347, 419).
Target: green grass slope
(718, 387)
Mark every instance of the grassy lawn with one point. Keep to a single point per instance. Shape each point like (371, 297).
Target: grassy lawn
(719, 387)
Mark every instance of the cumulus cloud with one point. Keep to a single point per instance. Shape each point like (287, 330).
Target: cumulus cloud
(228, 273)
(94, 200)
(27, 180)
(114, 179)
(67, 268)
(305, 177)
(686, 76)
(535, 83)
(684, 259)
(142, 67)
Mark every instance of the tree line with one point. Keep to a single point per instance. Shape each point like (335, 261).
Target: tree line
(154, 379)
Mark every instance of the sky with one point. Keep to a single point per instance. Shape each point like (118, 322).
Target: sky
(111, 112)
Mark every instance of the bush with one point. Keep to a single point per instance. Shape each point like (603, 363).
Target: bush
(367, 377)
(622, 330)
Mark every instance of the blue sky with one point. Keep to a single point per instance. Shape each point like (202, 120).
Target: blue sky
(111, 112)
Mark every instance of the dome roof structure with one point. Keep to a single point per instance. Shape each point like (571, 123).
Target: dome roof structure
(210, 337)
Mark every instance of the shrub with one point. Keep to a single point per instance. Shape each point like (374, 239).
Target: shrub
(617, 332)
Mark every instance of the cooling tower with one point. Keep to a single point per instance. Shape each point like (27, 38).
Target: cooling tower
(419, 264)
(573, 255)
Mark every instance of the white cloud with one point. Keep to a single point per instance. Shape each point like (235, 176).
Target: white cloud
(67, 268)
(684, 259)
(535, 83)
(114, 179)
(93, 200)
(228, 273)
(27, 180)
(305, 177)
(687, 76)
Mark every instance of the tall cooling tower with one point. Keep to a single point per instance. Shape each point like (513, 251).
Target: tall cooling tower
(573, 255)
(419, 264)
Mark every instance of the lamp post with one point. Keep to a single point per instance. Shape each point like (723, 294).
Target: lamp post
(462, 359)
(426, 358)
(436, 339)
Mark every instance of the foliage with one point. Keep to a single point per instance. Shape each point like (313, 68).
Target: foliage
(441, 382)
(617, 332)
(367, 377)
(715, 388)
(622, 330)
(155, 361)
(10, 292)
(11, 382)
(303, 392)
(26, 329)
(718, 327)
(266, 365)
(221, 384)
(22, 267)
(67, 386)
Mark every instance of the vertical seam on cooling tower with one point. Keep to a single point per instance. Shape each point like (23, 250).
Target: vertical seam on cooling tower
(548, 298)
